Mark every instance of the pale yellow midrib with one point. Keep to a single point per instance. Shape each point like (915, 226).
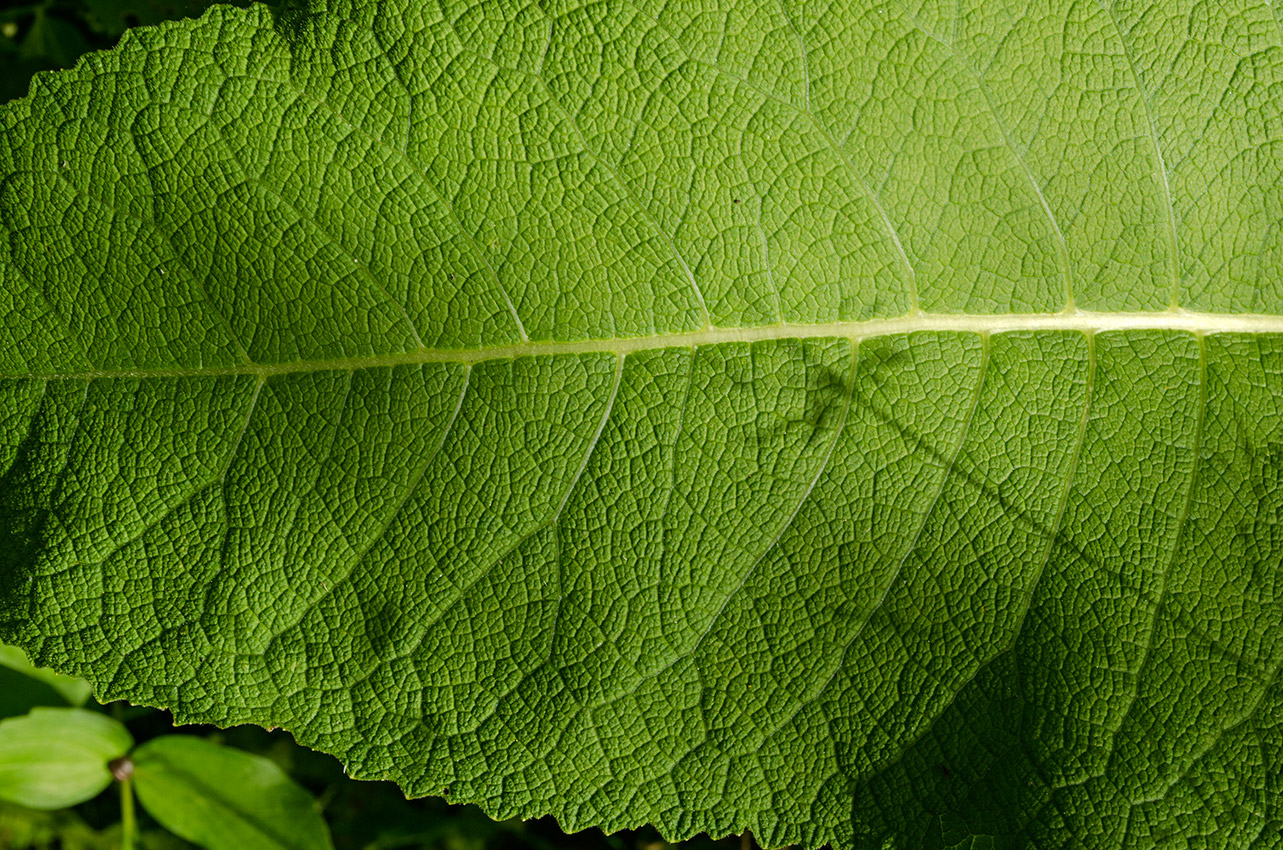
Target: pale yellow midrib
(1080, 321)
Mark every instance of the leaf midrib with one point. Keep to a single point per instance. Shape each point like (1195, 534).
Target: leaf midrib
(1079, 321)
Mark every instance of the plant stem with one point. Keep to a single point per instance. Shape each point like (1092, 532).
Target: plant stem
(128, 823)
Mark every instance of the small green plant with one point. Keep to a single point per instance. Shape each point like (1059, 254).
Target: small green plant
(215, 796)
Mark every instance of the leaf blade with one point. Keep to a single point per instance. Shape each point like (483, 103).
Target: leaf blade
(686, 595)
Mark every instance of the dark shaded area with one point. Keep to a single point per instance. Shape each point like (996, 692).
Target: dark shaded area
(25, 490)
(19, 694)
(968, 780)
(965, 782)
(292, 19)
(45, 35)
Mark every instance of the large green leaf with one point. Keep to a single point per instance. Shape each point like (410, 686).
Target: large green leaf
(847, 421)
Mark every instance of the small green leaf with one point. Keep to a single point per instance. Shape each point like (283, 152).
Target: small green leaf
(220, 798)
(71, 690)
(57, 757)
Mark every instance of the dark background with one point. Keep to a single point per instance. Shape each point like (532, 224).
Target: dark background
(48, 34)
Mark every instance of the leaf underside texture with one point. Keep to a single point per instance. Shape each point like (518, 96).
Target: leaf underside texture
(860, 423)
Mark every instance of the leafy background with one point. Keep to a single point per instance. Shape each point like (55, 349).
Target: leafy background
(365, 815)
(45, 36)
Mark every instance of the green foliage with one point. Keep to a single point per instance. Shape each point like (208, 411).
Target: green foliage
(225, 799)
(53, 758)
(19, 694)
(217, 797)
(33, 829)
(860, 423)
(19, 675)
(239, 788)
